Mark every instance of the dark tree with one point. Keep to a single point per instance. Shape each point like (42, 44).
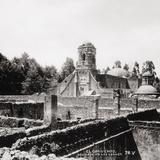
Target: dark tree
(117, 64)
(106, 70)
(25, 76)
(67, 68)
(148, 66)
(126, 67)
(6, 76)
(34, 78)
(156, 84)
(135, 71)
(50, 78)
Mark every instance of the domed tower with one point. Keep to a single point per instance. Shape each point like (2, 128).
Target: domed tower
(87, 57)
(147, 87)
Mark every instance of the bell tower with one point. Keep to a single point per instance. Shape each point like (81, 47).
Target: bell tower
(85, 69)
(87, 57)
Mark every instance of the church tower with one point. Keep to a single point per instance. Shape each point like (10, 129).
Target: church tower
(82, 82)
(85, 69)
(87, 57)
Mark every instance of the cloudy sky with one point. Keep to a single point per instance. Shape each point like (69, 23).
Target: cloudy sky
(51, 30)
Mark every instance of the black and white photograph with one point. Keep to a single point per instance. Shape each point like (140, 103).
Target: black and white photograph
(79, 80)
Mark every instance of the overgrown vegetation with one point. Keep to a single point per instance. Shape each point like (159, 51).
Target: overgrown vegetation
(13, 122)
(77, 136)
(25, 76)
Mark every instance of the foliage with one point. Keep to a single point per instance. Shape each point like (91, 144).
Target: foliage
(156, 84)
(25, 76)
(50, 78)
(148, 66)
(60, 125)
(67, 68)
(6, 76)
(105, 71)
(9, 154)
(73, 136)
(9, 139)
(117, 64)
(34, 79)
(126, 67)
(135, 71)
(13, 122)
(46, 149)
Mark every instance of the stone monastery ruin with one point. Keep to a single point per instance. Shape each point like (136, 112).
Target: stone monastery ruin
(91, 117)
(85, 80)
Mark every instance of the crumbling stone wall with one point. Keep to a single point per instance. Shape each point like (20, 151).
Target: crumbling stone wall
(73, 108)
(147, 137)
(120, 146)
(76, 137)
(82, 106)
(12, 122)
(22, 98)
(146, 132)
(22, 110)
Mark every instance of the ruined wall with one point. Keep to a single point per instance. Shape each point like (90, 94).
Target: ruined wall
(74, 138)
(12, 122)
(146, 132)
(22, 110)
(22, 98)
(147, 137)
(14, 98)
(83, 106)
(66, 88)
(109, 81)
(121, 146)
(72, 107)
(108, 102)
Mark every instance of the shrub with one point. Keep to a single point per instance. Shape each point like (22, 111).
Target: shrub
(18, 122)
(94, 130)
(45, 149)
(9, 139)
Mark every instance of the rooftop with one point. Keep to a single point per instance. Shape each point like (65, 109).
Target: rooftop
(147, 74)
(146, 90)
(118, 72)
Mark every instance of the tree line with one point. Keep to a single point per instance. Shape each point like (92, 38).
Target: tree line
(25, 76)
(135, 71)
(147, 66)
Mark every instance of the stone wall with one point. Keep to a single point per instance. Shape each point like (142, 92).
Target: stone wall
(12, 122)
(121, 146)
(73, 108)
(22, 110)
(22, 98)
(68, 140)
(147, 137)
(83, 107)
(109, 81)
(146, 132)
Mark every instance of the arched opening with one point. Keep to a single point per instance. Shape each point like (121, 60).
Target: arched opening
(83, 57)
